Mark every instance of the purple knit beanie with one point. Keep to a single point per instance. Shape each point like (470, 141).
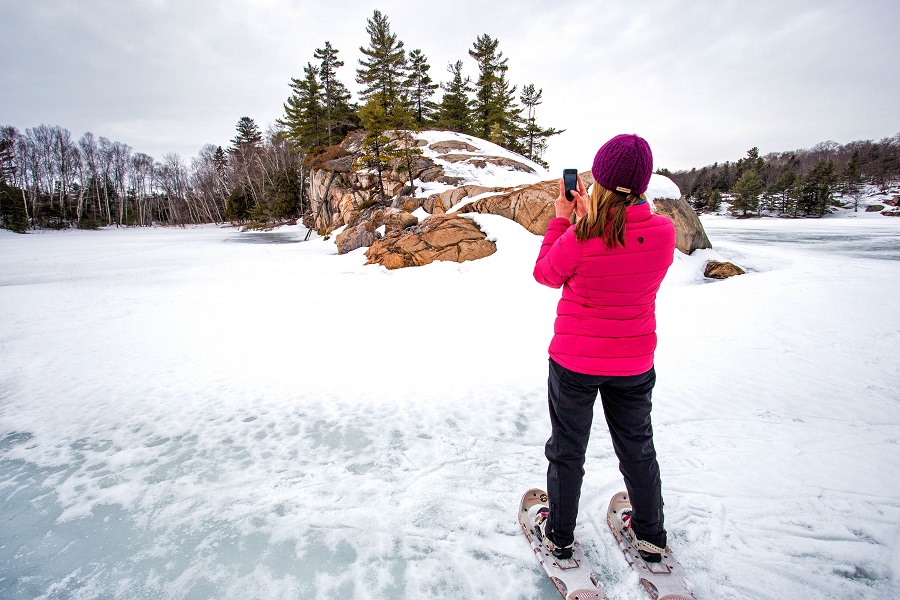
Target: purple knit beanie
(624, 163)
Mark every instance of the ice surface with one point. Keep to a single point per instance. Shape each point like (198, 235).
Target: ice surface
(184, 414)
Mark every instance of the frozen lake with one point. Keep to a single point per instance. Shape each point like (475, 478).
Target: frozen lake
(865, 238)
(199, 413)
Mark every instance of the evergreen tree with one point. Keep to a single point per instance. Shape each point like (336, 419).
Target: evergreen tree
(420, 88)
(534, 138)
(377, 149)
(782, 187)
(406, 150)
(795, 196)
(8, 137)
(248, 135)
(12, 209)
(707, 199)
(751, 162)
(853, 180)
(382, 72)
(497, 115)
(746, 192)
(284, 193)
(220, 162)
(304, 121)
(455, 110)
(335, 96)
(237, 206)
(820, 187)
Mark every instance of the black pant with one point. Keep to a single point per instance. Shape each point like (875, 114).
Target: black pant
(626, 406)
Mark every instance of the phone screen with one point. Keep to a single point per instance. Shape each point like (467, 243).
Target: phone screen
(570, 181)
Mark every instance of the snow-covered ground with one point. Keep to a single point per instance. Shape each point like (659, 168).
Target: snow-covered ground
(202, 413)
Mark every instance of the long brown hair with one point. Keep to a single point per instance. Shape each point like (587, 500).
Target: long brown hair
(606, 216)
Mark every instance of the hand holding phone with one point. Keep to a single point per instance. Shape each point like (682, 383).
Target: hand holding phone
(570, 180)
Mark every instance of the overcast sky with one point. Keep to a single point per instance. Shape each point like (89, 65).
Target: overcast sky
(703, 81)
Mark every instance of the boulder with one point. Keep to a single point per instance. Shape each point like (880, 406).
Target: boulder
(895, 201)
(434, 173)
(440, 237)
(351, 238)
(406, 203)
(397, 220)
(689, 232)
(530, 206)
(342, 165)
(721, 270)
(441, 203)
(891, 213)
(875, 208)
(450, 145)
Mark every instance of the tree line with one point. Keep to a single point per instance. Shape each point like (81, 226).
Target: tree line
(49, 179)
(799, 183)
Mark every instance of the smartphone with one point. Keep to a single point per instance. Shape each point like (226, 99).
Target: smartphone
(570, 180)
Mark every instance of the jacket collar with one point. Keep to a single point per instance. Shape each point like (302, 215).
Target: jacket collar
(637, 212)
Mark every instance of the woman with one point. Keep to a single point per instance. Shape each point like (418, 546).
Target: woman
(610, 265)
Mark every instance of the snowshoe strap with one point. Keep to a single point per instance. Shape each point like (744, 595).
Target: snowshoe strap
(648, 547)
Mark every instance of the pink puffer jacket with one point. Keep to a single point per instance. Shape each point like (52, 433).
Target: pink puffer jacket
(606, 319)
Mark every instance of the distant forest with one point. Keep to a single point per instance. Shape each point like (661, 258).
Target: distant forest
(48, 179)
(799, 183)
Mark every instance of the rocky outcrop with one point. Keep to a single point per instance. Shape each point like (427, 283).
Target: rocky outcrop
(530, 206)
(451, 145)
(440, 237)
(721, 270)
(406, 203)
(337, 190)
(397, 220)
(689, 232)
(437, 204)
(483, 161)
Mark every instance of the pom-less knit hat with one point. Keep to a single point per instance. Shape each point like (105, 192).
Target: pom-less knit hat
(624, 163)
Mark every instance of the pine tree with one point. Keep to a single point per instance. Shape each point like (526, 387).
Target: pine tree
(304, 112)
(795, 195)
(782, 187)
(335, 96)
(377, 149)
(8, 137)
(746, 192)
(534, 139)
(853, 180)
(382, 72)
(495, 101)
(248, 135)
(237, 206)
(220, 160)
(455, 110)
(820, 187)
(406, 149)
(420, 88)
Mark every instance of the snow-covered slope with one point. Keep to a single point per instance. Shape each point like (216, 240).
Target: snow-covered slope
(198, 413)
(475, 168)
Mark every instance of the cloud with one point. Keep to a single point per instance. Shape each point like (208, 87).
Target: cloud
(703, 81)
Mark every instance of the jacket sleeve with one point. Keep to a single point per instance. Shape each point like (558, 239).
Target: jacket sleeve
(558, 257)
